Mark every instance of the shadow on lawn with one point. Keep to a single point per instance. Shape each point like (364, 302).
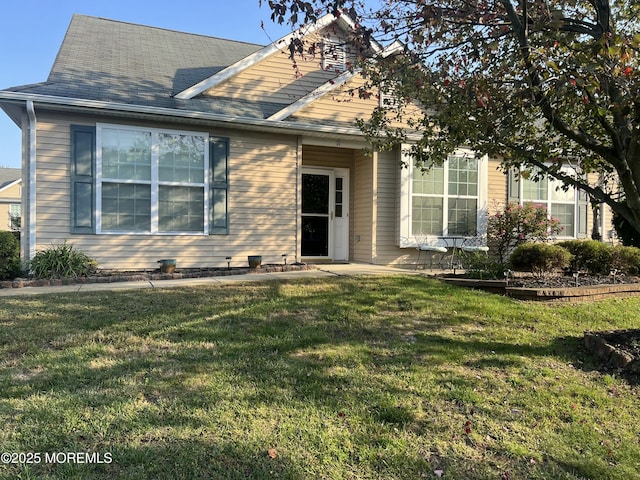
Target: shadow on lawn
(266, 346)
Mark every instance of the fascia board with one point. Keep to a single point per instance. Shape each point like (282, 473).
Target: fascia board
(230, 121)
(226, 121)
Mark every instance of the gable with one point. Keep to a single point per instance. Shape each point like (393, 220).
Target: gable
(279, 79)
(10, 183)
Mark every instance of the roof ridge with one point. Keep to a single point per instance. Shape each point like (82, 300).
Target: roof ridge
(169, 30)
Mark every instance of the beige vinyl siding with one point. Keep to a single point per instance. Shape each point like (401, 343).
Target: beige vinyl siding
(362, 213)
(261, 205)
(328, 157)
(343, 105)
(388, 208)
(278, 78)
(497, 194)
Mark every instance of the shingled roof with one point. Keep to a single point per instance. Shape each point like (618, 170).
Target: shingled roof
(9, 176)
(113, 61)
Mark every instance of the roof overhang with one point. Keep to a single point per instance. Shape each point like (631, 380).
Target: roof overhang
(10, 100)
(10, 184)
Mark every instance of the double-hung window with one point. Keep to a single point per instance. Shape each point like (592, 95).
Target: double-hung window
(446, 200)
(15, 216)
(567, 204)
(138, 180)
(151, 181)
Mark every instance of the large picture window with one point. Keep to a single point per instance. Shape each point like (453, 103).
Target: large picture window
(151, 181)
(447, 200)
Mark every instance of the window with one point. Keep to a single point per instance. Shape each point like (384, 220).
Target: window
(447, 200)
(564, 203)
(151, 181)
(147, 181)
(15, 216)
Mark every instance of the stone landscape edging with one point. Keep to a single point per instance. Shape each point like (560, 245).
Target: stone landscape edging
(598, 344)
(550, 294)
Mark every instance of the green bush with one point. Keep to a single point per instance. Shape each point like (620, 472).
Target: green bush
(539, 258)
(479, 265)
(10, 266)
(625, 260)
(589, 255)
(62, 261)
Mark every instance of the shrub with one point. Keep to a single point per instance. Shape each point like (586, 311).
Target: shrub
(539, 258)
(62, 261)
(589, 255)
(479, 265)
(10, 266)
(625, 259)
(519, 224)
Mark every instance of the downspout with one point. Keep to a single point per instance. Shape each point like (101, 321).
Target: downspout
(298, 200)
(31, 167)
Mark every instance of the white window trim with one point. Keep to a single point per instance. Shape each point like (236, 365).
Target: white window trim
(549, 201)
(407, 239)
(154, 182)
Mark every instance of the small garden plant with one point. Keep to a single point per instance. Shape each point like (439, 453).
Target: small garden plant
(62, 261)
(519, 224)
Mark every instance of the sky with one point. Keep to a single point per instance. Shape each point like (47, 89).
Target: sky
(32, 32)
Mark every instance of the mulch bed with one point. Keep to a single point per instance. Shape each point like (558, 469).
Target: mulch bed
(112, 276)
(566, 281)
(556, 288)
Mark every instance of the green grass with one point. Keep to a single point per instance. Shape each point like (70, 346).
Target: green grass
(350, 378)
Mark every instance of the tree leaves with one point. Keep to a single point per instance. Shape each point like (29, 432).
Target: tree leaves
(528, 81)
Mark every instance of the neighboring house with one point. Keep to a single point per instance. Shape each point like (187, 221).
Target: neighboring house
(146, 144)
(10, 198)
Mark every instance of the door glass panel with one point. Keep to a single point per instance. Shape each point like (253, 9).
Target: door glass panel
(315, 236)
(338, 197)
(315, 194)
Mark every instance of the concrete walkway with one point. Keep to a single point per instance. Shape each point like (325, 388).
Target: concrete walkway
(328, 270)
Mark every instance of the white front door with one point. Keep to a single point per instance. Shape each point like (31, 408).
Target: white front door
(325, 214)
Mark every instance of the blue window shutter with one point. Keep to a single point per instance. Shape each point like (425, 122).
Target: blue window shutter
(583, 212)
(83, 166)
(219, 185)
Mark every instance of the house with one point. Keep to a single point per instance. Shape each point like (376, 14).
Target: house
(10, 198)
(146, 143)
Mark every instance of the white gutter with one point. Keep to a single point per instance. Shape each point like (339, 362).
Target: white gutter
(31, 167)
(228, 121)
(237, 121)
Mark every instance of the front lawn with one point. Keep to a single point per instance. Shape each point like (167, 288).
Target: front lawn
(352, 378)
